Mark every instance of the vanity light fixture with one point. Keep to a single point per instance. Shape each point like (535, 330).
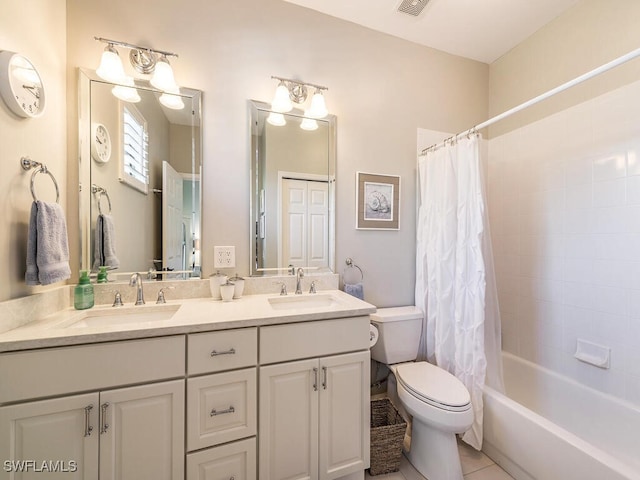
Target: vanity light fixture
(163, 78)
(318, 107)
(281, 102)
(290, 91)
(144, 60)
(111, 68)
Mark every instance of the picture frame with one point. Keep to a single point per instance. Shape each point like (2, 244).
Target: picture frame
(377, 201)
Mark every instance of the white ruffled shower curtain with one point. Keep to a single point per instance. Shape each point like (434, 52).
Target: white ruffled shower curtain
(455, 281)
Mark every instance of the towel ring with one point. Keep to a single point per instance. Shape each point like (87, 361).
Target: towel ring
(28, 164)
(351, 265)
(101, 191)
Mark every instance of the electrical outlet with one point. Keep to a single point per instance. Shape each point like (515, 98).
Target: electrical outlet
(224, 257)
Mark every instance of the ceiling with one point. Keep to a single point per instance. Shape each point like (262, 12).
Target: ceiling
(482, 30)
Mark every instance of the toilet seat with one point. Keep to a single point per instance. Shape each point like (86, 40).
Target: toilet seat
(433, 385)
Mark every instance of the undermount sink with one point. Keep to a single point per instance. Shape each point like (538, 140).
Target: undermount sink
(290, 302)
(125, 316)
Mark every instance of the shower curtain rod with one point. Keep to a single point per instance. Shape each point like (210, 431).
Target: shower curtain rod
(586, 76)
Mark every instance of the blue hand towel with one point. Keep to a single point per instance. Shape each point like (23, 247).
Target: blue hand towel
(355, 289)
(105, 243)
(47, 245)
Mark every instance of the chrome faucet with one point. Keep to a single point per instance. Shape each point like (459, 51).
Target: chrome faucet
(299, 275)
(136, 281)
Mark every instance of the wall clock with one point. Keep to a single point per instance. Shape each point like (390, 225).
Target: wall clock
(100, 143)
(21, 86)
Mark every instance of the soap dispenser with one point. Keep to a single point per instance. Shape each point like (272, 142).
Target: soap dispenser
(83, 292)
(102, 275)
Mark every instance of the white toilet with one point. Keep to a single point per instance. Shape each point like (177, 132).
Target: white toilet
(438, 402)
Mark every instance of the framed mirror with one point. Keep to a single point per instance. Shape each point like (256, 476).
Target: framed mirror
(293, 181)
(140, 171)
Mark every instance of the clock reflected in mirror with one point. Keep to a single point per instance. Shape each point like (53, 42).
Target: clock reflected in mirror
(21, 86)
(100, 143)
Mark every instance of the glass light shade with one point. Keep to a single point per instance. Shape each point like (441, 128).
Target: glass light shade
(281, 101)
(127, 91)
(111, 68)
(172, 99)
(308, 123)
(163, 78)
(276, 119)
(318, 108)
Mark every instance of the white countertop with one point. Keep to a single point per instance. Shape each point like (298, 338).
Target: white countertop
(192, 315)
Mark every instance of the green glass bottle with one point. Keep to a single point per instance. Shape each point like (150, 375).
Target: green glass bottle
(83, 292)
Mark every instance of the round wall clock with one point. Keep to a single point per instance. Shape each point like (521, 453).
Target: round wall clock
(100, 143)
(21, 87)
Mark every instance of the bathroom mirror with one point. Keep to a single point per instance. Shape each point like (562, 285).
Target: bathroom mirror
(140, 164)
(292, 208)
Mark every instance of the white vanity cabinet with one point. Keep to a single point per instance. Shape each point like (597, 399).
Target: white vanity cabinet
(270, 399)
(132, 432)
(314, 413)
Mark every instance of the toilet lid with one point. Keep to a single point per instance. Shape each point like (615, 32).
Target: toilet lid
(433, 385)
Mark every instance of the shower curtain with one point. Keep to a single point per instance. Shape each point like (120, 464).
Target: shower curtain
(455, 282)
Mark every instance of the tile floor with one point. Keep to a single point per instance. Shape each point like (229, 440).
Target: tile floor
(475, 466)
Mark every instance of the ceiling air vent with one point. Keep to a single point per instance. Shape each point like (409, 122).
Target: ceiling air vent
(412, 7)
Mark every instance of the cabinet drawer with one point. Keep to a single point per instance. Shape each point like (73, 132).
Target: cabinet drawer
(234, 460)
(64, 370)
(279, 343)
(218, 351)
(221, 408)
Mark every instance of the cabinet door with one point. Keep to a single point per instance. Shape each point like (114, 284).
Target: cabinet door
(142, 432)
(59, 435)
(344, 414)
(289, 421)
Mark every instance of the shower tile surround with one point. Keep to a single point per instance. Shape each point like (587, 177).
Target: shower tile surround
(564, 206)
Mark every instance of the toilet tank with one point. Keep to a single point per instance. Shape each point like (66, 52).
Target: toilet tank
(399, 331)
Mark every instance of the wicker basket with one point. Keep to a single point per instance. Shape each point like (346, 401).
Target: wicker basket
(387, 436)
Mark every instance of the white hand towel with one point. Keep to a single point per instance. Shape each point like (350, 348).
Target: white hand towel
(47, 245)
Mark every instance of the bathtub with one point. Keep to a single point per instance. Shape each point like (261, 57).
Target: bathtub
(550, 427)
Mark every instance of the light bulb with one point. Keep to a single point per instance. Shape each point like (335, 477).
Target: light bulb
(172, 99)
(111, 68)
(308, 123)
(126, 92)
(318, 108)
(281, 101)
(163, 78)
(276, 119)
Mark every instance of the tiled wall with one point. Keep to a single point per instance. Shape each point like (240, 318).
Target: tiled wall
(564, 205)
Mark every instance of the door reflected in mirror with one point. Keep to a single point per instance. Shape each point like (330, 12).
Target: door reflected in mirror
(292, 191)
(143, 210)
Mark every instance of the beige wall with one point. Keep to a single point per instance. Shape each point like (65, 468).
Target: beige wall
(588, 35)
(381, 88)
(36, 29)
